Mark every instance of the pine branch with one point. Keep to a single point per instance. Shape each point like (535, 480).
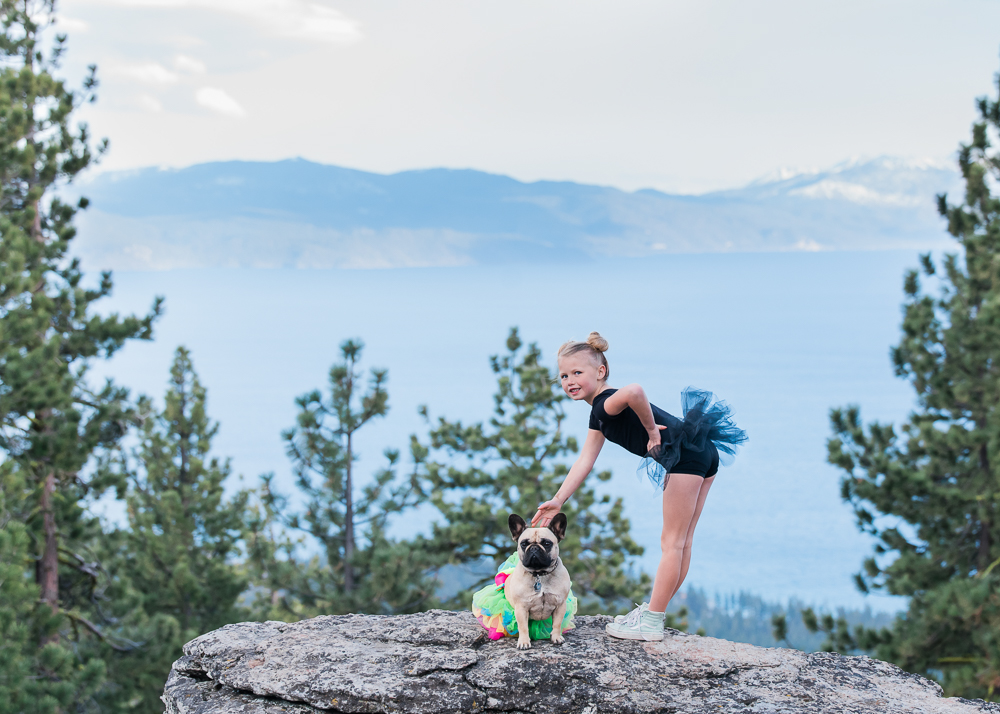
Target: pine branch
(95, 630)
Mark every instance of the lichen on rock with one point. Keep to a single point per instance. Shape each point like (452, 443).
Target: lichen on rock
(441, 662)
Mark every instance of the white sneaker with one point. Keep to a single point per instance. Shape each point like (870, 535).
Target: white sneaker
(643, 607)
(640, 624)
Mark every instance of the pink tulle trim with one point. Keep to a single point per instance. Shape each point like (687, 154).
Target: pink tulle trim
(500, 579)
(493, 634)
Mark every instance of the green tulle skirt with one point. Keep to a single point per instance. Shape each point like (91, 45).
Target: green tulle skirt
(491, 608)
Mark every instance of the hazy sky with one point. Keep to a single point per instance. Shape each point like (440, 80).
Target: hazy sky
(681, 96)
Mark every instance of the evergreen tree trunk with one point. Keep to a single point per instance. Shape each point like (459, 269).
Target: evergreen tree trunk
(184, 476)
(48, 570)
(349, 519)
(983, 556)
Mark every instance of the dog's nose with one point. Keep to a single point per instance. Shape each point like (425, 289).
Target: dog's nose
(536, 556)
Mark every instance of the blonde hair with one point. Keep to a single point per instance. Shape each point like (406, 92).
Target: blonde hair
(595, 346)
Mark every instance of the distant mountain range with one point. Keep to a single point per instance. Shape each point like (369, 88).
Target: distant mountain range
(296, 213)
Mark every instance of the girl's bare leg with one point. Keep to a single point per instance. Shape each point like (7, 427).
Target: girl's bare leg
(686, 558)
(680, 502)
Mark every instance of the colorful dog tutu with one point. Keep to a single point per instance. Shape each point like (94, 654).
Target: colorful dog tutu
(491, 608)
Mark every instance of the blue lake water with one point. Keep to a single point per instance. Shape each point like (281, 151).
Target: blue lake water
(782, 337)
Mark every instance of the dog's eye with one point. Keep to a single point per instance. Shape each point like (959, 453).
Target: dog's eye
(525, 543)
(547, 543)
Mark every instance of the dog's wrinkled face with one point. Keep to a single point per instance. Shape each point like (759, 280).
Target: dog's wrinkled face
(538, 548)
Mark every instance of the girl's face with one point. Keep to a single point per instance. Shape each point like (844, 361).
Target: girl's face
(580, 377)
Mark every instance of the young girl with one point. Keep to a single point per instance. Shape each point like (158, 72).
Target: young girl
(681, 456)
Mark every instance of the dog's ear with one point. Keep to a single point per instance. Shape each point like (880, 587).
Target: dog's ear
(558, 526)
(516, 525)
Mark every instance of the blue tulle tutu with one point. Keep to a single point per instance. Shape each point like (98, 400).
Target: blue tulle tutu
(707, 420)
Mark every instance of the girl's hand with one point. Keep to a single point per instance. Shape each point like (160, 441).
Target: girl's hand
(654, 438)
(546, 512)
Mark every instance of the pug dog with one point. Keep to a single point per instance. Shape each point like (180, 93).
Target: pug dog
(538, 587)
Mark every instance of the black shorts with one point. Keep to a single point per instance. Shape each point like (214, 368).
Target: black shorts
(702, 463)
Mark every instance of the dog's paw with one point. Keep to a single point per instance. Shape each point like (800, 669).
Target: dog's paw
(524, 644)
(558, 639)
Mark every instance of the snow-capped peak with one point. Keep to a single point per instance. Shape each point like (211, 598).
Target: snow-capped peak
(883, 180)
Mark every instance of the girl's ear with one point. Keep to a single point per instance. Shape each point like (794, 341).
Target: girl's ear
(602, 372)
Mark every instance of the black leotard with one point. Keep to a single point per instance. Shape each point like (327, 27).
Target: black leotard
(624, 428)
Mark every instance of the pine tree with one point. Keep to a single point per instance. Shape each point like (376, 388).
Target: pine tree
(22, 622)
(929, 492)
(52, 422)
(183, 538)
(478, 474)
(357, 570)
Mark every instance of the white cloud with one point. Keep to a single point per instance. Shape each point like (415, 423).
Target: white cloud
(218, 101)
(808, 245)
(149, 103)
(318, 23)
(145, 72)
(300, 19)
(183, 63)
(71, 24)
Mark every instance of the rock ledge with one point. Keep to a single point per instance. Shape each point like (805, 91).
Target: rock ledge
(441, 663)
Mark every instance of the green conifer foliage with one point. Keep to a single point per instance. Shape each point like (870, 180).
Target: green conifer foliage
(929, 492)
(478, 474)
(22, 691)
(361, 568)
(179, 551)
(51, 421)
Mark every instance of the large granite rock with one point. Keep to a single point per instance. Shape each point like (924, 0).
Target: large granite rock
(441, 662)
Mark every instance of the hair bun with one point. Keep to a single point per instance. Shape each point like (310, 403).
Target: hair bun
(595, 340)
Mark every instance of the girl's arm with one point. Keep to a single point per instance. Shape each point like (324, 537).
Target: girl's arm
(635, 397)
(577, 473)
